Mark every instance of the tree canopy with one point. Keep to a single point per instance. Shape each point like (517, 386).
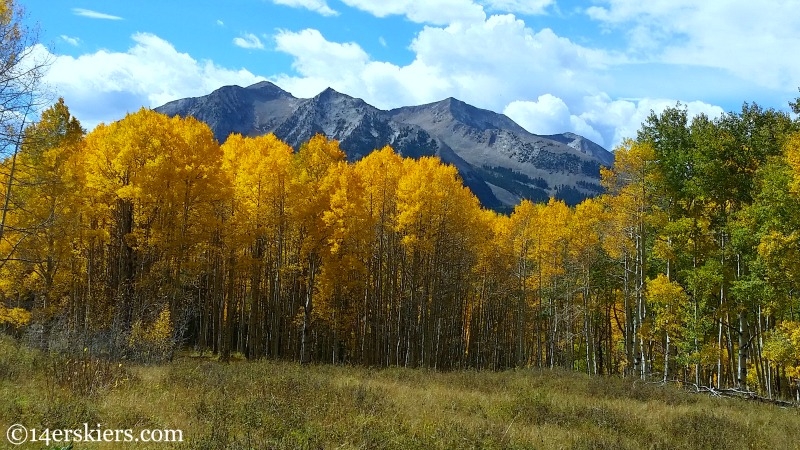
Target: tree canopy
(146, 235)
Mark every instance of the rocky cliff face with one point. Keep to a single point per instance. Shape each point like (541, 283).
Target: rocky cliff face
(499, 160)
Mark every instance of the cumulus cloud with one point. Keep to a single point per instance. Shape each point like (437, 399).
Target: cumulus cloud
(550, 115)
(504, 47)
(621, 118)
(94, 14)
(547, 115)
(248, 41)
(748, 39)
(531, 7)
(320, 63)
(547, 83)
(437, 12)
(104, 86)
(597, 117)
(446, 12)
(488, 64)
(319, 6)
(314, 54)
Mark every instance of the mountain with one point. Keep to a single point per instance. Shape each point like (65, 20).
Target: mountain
(498, 160)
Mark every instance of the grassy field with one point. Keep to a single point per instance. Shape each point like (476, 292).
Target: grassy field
(263, 405)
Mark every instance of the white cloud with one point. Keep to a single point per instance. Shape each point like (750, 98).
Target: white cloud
(504, 45)
(622, 118)
(220, 23)
(532, 7)
(70, 40)
(248, 41)
(437, 12)
(492, 64)
(548, 83)
(550, 115)
(382, 41)
(314, 55)
(597, 117)
(547, 115)
(104, 86)
(319, 6)
(488, 64)
(749, 39)
(446, 12)
(94, 14)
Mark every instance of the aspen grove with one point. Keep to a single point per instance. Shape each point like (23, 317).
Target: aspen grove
(146, 236)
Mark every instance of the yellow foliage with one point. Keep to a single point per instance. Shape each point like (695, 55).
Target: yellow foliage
(310, 190)
(632, 165)
(45, 206)
(16, 317)
(260, 171)
(155, 339)
(434, 206)
(666, 298)
(792, 150)
(782, 346)
(11, 33)
(156, 184)
(162, 327)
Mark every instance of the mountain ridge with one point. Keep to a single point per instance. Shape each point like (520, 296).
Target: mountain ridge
(498, 160)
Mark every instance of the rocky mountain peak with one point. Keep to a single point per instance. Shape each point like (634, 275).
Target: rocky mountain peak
(268, 89)
(585, 146)
(498, 160)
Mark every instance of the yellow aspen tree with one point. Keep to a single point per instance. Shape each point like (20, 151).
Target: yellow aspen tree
(437, 217)
(551, 253)
(310, 193)
(490, 315)
(156, 185)
(260, 171)
(667, 300)
(629, 184)
(521, 233)
(43, 221)
(380, 172)
(342, 280)
(584, 255)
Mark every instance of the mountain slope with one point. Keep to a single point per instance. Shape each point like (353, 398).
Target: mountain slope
(514, 161)
(257, 109)
(498, 159)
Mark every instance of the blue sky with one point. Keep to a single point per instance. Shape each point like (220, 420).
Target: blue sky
(596, 68)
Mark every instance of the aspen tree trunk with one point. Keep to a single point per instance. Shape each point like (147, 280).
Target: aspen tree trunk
(642, 356)
(743, 344)
(256, 317)
(308, 306)
(630, 336)
(276, 330)
(125, 262)
(666, 358)
(586, 324)
(521, 308)
(228, 311)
